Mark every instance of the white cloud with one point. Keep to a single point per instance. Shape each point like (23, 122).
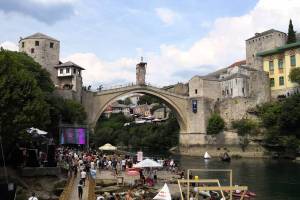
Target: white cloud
(166, 15)
(223, 45)
(9, 46)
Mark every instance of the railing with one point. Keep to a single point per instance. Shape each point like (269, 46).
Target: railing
(65, 195)
(92, 186)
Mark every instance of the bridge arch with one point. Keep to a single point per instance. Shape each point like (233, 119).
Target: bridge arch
(177, 103)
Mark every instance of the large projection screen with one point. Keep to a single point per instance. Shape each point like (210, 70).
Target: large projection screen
(73, 136)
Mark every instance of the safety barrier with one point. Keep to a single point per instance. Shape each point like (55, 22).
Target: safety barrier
(65, 195)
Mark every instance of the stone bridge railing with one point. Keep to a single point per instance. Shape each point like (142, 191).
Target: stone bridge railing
(119, 88)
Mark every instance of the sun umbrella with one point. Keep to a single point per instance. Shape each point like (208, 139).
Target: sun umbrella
(107, 147)
(147, 163)
(36, 130)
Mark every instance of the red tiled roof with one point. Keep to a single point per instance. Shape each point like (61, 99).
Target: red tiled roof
(238, 63)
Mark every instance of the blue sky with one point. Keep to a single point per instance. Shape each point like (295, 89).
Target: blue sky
(178, 38)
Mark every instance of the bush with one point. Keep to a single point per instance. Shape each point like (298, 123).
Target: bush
(215, 124)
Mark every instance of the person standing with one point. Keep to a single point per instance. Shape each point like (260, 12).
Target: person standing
(80, 189)
(83, 176)
(33, 197)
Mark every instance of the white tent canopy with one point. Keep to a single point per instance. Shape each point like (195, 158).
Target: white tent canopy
(36, 130)
(147, 163)
(164, 193)
(107, 147)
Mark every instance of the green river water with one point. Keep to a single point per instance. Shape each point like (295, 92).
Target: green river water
(269, 179)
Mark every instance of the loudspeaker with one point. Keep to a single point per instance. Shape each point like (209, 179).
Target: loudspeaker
(51, 156)
(32, 160)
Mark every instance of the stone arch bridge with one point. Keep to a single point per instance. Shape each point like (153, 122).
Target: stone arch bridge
(192, 124)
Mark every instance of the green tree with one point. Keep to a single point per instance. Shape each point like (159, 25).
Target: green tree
(291, 33)
(245, 128)
(215, 124)
(127, 101)
(295, 75)
(22, 101)
(149, 99)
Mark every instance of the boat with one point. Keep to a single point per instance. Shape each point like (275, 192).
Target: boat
(207, 156)
(225, 157)
(237, 194)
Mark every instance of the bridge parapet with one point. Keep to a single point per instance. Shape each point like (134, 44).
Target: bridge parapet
(133, 86)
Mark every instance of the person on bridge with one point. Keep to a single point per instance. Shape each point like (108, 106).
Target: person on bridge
(80, 189)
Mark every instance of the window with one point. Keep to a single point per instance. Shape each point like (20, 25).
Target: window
(281, 80)
(271, 66)
(23, 44)
(196, 91)
(293, 60)
(37, 43)
(227, 92)
(243, 90)
(223, 92)
(32, 50)
(68, 70)
(61, 71)
(231, 91)
(272, 82)
(280, 64)
(51, 44)
(74, 71)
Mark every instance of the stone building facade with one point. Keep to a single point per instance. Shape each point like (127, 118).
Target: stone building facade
(65, 76)
(263, 41)
(44, 50)
(141, 73)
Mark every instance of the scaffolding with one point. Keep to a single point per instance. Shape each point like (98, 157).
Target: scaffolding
(218, 186)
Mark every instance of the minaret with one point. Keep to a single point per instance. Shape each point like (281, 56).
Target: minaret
(141, 73)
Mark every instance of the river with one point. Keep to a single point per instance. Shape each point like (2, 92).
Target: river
(269, 179)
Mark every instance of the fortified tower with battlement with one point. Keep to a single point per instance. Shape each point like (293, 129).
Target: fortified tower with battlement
(44, 50)
(263, 41)
(141, 73)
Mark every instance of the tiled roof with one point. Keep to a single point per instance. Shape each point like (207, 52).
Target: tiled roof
(39, 36)
(68, 64)
(238, 63)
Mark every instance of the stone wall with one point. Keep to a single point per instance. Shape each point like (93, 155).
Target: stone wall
(179, 88)
(47, 57)
(201, 87)
(260, 43)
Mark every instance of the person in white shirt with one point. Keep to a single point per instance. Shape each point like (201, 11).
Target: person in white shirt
(83, 176)
(93, 165)
(33, 197)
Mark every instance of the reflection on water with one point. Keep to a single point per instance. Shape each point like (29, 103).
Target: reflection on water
(269, 179)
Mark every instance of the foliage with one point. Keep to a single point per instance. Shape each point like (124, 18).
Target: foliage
(215, 124)
(154, 136)
(281, 121)
(149, 99)
(295, 75)
(291, 33)
(127, 101)
(26, 99)
(22, 101)
(245, 127)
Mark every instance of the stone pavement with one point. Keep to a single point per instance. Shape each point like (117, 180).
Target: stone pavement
(74, 194)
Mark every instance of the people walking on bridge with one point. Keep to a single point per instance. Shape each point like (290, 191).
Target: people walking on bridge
(80, 189)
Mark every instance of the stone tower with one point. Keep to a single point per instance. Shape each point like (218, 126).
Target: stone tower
(141, 73)
(44, 50)
(263, 41)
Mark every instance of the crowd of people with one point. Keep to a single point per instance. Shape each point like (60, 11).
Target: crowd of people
(85, 163)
